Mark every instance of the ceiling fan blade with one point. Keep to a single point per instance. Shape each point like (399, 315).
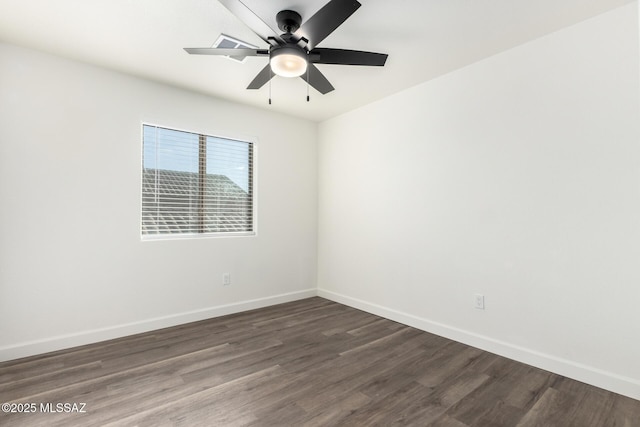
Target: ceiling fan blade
(347, 57)
(240, 52)
(326, 20)
(262, 78)
(317, 80)
(251, 20)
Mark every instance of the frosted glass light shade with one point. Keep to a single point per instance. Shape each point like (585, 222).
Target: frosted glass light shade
(288, 62)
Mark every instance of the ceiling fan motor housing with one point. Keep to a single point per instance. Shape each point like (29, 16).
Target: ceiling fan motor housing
(288, 21)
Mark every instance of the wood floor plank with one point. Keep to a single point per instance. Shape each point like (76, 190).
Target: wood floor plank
(311, 362)
(214, 400)
(511, 391)
(490, 413)
(447, 421)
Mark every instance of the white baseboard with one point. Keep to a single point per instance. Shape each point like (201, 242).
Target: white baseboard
(607, 380)
(60, 342)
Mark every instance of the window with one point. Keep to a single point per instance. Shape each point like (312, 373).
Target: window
(195, 184)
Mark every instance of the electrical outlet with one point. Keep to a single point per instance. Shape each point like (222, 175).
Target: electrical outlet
(226, 279)
(479, 301)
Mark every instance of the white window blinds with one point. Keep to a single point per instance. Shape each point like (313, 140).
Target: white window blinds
(195, 184)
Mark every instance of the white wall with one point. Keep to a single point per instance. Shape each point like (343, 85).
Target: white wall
(516, 177)
(72, 266)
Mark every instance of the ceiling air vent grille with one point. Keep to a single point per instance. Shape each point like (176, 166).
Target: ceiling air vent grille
(227, 42)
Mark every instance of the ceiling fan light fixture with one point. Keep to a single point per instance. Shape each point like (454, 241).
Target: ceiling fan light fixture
(287, 61)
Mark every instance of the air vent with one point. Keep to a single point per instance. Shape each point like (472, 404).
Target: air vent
(227, 42)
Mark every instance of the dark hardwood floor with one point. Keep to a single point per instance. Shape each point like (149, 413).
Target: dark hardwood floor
(306, 363)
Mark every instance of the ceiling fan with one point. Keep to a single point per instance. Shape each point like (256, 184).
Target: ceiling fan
(294, 52)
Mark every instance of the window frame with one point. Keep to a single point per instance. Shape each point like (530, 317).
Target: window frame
(203, 235)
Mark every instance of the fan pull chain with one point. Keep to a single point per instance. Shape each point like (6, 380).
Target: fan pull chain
(307, 83)
(270, 78)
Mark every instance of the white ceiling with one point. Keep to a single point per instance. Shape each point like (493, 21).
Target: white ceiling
(424, 39)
